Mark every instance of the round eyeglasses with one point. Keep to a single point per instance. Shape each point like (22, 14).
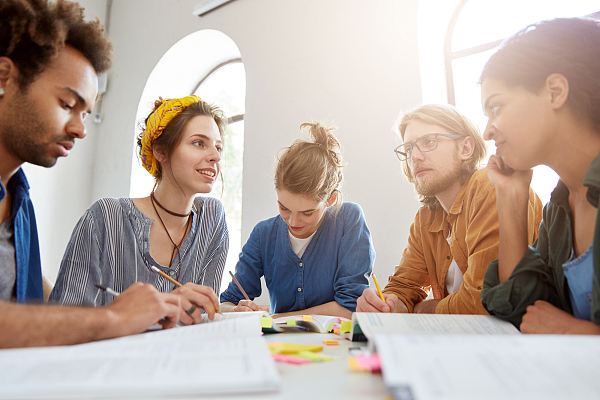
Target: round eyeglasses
(425, 143)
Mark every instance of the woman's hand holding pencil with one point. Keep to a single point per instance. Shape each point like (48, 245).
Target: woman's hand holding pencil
(193, 298)
(245, 305)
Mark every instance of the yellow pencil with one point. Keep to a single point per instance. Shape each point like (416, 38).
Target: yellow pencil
(155, 269)
(378, 288)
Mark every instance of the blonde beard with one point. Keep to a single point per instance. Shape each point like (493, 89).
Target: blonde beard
(431, 187)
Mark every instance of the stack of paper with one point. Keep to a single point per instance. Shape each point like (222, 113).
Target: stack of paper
(224, 357)
(527, 367)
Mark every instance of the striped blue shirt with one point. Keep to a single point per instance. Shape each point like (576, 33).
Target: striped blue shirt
(110, 246)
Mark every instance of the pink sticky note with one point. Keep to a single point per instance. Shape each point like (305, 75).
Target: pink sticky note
(372, 361)
(289, 359)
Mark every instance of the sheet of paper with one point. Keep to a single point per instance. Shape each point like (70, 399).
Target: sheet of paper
(527, 367)
(373, 323)
(223, 357)
(232, 315)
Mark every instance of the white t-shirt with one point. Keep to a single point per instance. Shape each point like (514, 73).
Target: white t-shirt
(299, 245)
(454, 277)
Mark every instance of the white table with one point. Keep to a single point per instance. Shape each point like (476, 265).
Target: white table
(323, 380)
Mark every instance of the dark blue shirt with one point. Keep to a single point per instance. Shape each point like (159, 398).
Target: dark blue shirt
(27, 250)
(336, 264)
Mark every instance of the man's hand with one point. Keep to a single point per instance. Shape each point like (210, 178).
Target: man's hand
(426, 307)
(371, 302)
(249, 305)
(194, 297)
(141, 306)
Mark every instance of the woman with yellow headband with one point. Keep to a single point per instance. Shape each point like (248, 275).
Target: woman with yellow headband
(121, 241)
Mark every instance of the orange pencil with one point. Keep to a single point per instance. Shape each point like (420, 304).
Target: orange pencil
(239, 286)
(155, 269)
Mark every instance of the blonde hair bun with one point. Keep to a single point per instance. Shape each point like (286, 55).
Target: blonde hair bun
(312, 168)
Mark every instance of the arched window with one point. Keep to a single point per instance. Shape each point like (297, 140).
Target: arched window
(457, 40)
(225, 85)
(208, 64)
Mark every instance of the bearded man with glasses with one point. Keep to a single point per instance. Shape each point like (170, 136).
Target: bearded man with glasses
(455, 234)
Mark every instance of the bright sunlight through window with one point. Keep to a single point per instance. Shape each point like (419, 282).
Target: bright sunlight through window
(481, 22)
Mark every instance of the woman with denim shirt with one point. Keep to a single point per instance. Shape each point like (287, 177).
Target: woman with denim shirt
(541, 94)
(317, 254)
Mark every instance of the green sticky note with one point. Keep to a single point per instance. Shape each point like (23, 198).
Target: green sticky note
(291, 322)
(346, 326)
(330, 327)
(314, 357)
(266, 322)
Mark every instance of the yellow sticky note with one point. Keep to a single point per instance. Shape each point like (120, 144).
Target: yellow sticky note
(346, 326)
(292, 348)
(307, 318)
(355, 365)
(291, 322)
(329, 342)
(266, 322)
(274, 345)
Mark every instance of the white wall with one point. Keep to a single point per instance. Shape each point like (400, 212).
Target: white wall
(349, 62)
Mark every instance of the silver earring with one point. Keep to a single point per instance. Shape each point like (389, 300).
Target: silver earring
(1, 91)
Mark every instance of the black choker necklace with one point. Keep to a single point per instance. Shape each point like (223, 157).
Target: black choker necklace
(153, 198)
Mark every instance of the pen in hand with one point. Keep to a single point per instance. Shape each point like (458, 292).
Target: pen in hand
(107, 290)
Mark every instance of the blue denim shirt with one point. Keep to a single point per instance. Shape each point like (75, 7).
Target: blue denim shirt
(579, 272)
(27, 248)
(335, 266)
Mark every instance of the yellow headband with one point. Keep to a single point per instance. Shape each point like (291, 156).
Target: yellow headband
(157, 122)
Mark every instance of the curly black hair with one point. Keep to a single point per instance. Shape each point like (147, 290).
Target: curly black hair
(568, 46)
(32, 32)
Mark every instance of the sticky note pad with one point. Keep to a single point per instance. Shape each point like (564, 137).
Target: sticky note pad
(266, 322)
(355, 366)
(330, 342)
(290, 359)
(314, 357)
(370, 362)
(346, 326)
(273, 345)
(292, 348)
(291, 322)
(307, 318)
(330, 327)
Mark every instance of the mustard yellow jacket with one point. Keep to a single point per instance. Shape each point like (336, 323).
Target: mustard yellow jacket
(473, 244)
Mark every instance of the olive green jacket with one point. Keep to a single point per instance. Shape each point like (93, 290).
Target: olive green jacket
(539, 275)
